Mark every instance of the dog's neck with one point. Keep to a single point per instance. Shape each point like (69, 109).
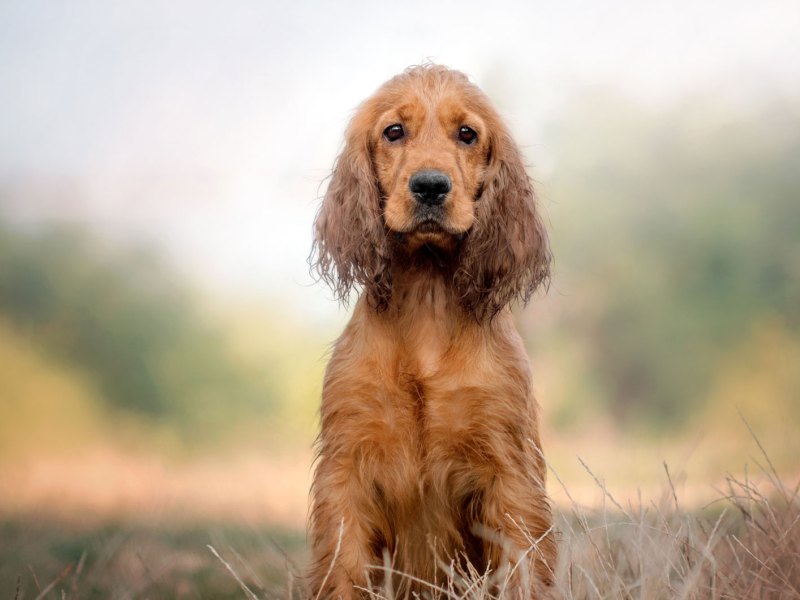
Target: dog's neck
(422, 291)
(424, 321)
(422, 282)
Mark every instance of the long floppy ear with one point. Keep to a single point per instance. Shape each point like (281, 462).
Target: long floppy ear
(507, 254)
(350, 246)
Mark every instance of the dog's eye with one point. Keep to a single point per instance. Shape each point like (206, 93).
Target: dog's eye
(467, 134)
(394, 132)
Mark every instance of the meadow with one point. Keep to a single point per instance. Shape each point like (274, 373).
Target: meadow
(743, 544)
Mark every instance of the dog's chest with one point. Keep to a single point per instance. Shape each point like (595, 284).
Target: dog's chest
(449, 382)
(424, 406)
(425, 351)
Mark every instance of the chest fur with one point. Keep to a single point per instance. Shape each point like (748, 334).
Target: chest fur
(428, 391)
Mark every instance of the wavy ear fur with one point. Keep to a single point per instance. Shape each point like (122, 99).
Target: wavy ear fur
(350, 244)
(507, 253)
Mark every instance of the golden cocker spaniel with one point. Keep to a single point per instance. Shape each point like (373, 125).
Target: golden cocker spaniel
(429, 454)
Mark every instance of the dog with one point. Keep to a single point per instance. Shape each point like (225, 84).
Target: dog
(429, 454)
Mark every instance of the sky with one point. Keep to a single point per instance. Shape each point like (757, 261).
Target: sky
(208, 129)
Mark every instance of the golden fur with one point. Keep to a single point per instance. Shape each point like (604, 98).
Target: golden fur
(429, 448)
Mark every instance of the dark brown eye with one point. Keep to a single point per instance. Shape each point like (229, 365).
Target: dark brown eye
(394, 132)
(467, 134)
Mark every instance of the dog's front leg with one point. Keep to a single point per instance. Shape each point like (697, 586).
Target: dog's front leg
(340, 537)
(519, 540)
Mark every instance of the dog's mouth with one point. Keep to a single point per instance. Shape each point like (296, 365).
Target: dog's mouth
(429, 226)
(434, 231)
(429, 234)
(430, 220)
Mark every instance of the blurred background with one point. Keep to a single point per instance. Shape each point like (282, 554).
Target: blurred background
(162, 343)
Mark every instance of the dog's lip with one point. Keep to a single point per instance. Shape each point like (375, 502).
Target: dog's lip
(429, 226)
(430, 221)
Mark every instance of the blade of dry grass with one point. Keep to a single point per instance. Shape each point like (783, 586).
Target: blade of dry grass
(231, 570)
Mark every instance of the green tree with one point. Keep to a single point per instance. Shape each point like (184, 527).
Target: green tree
(678, 230)
(126, 319)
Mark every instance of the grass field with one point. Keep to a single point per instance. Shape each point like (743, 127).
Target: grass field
(47, 559)
(745, 544)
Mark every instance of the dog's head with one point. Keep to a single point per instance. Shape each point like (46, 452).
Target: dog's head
(428, 166)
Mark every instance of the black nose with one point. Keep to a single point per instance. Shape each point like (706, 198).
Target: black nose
(430, 187)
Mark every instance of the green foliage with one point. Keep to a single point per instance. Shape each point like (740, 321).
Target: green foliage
(676, 239)
(677, 232)
(123, 317)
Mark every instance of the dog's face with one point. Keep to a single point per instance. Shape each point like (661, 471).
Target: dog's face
(430, 151)
(428, 163)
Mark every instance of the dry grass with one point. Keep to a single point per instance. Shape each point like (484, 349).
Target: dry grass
(744, 545)
(128, 560)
